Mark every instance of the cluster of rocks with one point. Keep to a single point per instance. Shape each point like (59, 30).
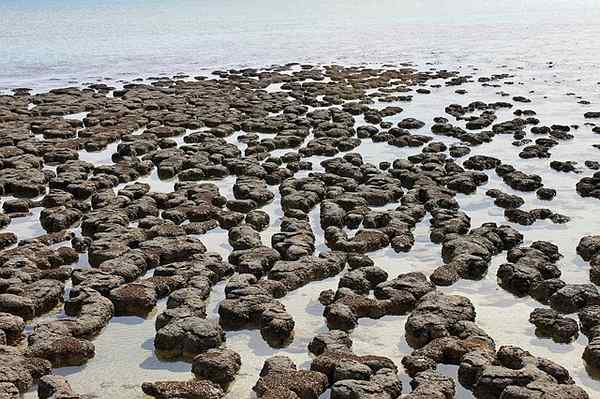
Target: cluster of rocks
(352, 299)
(517, 179)
(33, 284)
(56, 387)
(468, 256)
(504, 200)
(182, 129)
(183, 389)
(532, 271)
(33, 278)
(550, 323)
(252, 303)
(182, 329)
(345, 193)
(514, 373)
(65, 342)
(480, 121)
(213, 369)
(294, 274)
(589, 312)
(280, 378)
(527, 218)
(589, 317)
(442, 329)
(349, 375)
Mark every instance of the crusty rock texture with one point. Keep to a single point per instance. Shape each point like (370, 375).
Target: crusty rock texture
(213, 203)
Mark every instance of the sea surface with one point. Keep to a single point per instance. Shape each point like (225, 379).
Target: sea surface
(46, 43)
(551, 46)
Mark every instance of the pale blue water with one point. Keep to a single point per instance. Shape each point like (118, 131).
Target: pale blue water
(49, 42)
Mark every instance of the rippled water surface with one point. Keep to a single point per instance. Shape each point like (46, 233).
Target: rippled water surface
(46, 43)
(49, 42)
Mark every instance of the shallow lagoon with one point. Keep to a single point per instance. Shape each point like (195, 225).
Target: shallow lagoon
(51, 43)
(124, 351)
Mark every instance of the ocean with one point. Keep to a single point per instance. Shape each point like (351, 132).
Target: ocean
(47, 43)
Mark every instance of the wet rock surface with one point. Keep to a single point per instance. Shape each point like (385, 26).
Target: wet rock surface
(551, 323)
(589, 249)
(516, 373)
(532, 270)
(350, 375)
(182, 389)
(217, 365)
(274, 169)
(252, 303)
(280, 378)
(468, 256)
(344, 307)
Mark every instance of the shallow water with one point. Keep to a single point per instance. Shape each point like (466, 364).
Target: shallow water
(124, 350)
(51, 43)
